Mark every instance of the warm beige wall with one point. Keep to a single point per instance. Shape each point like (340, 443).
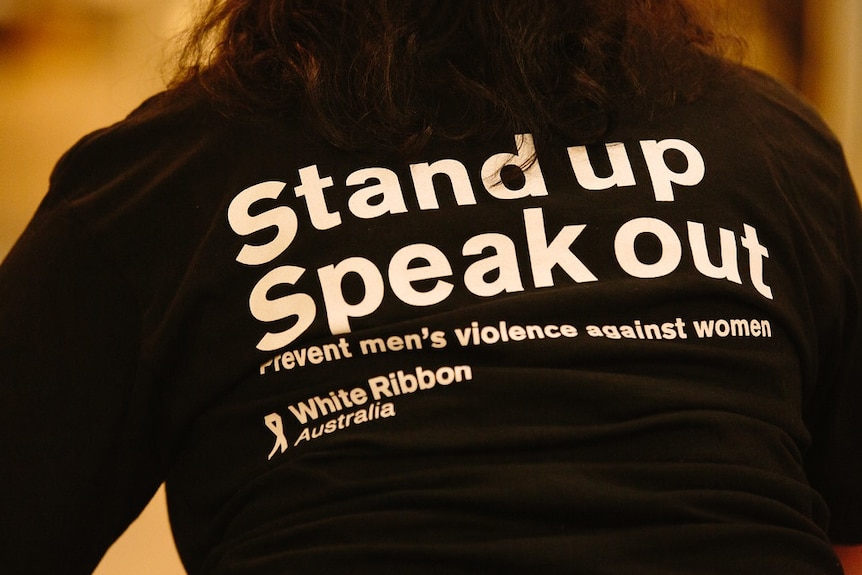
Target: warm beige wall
(772, 31)
(147, 547)
(833, 71)
(68, 67)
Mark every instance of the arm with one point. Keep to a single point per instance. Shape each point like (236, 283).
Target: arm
(845, 464)
(78, 465)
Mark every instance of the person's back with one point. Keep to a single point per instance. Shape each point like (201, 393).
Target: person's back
(490, 290)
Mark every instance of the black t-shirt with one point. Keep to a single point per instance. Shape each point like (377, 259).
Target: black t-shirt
(638, 356)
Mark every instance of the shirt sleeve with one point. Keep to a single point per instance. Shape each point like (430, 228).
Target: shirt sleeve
(835, 462)
(79, 458)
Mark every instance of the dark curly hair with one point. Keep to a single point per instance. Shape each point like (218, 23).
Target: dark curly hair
(394, 73)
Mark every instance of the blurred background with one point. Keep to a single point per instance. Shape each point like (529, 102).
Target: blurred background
(68, 67)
